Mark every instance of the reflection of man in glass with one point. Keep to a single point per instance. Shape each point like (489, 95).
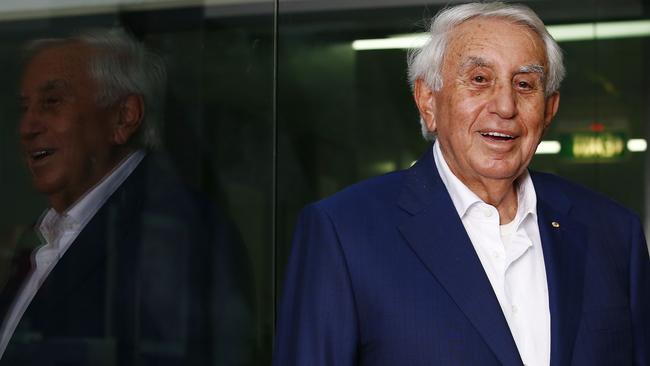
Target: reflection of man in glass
(135, 268)
(466, 258)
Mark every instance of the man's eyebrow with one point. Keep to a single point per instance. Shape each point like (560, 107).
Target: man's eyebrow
(54, 85)
(48, 86)
(533, 68)
(473, 61)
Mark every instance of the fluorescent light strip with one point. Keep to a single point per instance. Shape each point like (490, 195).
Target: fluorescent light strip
(637, 145)
(561, 33)
(604, 30)
(402, 42)
(548, 147)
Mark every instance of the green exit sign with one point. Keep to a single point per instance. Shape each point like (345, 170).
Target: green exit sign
(593, 145)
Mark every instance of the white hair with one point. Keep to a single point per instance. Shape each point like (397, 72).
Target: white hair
(426, 63)
(122, 66)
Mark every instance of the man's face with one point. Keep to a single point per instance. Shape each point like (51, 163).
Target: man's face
(491, 111)
(66, 137)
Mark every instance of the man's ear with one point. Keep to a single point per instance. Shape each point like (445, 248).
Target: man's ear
(131, 113)
(425, 100)
(552, 105)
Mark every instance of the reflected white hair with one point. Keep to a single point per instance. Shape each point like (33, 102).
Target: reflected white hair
(426, 63)
(121, 67)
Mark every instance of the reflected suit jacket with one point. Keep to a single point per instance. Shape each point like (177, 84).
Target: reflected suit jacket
(156, 277)
(383, 273)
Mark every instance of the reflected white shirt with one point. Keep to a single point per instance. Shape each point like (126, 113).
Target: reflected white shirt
(59, 231)
(512, 258)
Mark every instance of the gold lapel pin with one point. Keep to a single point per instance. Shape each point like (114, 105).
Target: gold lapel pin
(555, 224)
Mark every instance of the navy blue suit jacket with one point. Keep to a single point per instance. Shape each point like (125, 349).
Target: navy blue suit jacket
(383, 273)
(157, 277)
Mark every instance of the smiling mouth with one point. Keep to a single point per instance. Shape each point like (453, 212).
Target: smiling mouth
(40, 154)
(497, 136)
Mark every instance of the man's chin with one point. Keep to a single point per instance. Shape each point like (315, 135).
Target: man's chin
(45, 186)
(502, 173)
(501, 168)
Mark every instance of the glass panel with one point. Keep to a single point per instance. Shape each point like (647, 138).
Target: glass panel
(343, 115)
(181, 268)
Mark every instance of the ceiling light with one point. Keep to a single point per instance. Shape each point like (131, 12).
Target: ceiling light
(548, 147)
(561, 33)
(637, 145)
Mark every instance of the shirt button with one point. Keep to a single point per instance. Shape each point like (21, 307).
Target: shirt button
(488, 212)
(497, 255)
(515, 309)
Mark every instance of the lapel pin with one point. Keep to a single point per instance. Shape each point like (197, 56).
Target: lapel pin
(555, 224)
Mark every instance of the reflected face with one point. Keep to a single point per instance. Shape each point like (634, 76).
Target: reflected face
(491, 112)
(65, 135)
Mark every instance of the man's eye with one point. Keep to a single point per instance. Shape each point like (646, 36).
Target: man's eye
(479, 79)
(50, 102)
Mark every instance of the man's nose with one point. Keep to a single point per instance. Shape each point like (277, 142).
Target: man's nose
(504, 101)
(31, 124)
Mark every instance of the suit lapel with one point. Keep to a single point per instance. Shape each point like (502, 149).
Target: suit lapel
(564, 247)
(436, 235)
(94, 248)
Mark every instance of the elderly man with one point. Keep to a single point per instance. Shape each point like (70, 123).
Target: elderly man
(135, 269)
(467, 258)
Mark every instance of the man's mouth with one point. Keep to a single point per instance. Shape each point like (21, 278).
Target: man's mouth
(497, 136)
(40, 154)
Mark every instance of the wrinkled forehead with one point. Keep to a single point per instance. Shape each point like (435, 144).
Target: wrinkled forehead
(494, 38)
(65, 63)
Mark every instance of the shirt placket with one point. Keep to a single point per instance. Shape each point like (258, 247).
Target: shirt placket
(515, 250)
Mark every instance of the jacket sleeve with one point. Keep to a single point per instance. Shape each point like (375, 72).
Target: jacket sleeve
(317, 323)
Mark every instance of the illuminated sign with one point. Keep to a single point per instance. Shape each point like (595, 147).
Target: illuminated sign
(594, 145)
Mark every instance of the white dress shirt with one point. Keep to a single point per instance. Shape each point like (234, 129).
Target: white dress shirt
(59, 231)
(512, 258)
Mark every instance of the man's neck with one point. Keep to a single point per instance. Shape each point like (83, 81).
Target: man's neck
(501, 194)
(62, 201)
